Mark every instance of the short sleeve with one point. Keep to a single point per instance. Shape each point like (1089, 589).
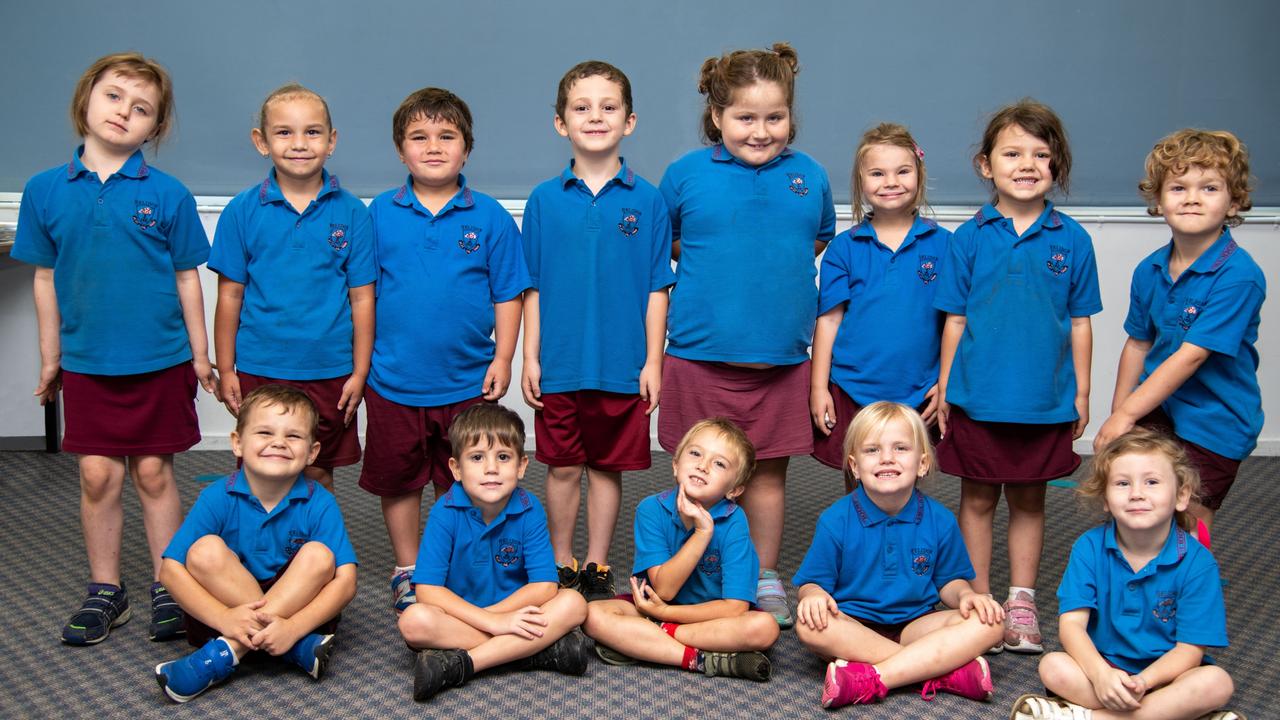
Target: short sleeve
(1079, 587)
(361, 267)
(436, 547)
(1084, 298)
(1227, 315)
(188, 243)
(827, 228)
(833, 275)
(33, 244)
(1137, 324)
(671, 196)
(1202, 615)
(539, 560)
(206, 517)
(821, 564)
(508, 272)
(660, 274)
(739, 563)
(953, 557)
(230, 256)
(650, 536)
(955, 284)
(328, 527)
(531, 237)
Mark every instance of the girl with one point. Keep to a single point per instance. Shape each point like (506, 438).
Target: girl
(1139, 598)
(294, 257)
(748, 216)
(881, 559)
(883, 272)
(116, 244)
(1016, 350)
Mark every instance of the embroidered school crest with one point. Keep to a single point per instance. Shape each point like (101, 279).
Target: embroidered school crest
(470, 241)
(508, 552)
(709, 565)
(921, 560)
(798, 185)
(630, 224)
(295, 543)
(1057, 262)
(337, 236)
(1166, 606)
(145, 215)
(926, 271)
(1188, 316)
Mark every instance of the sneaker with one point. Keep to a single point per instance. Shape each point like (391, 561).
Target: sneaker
(106, 607)
(434, 670)
(613, 657)
(772, 598)
(569, 575)
(184, 679)
(851, 682)
(595, 582)
(1039, 707)
(1223, 715)
(311, 653)
(971, 680)
(567, 655)
(402, 594)
(749, 665)
(166, 616)
(1022, 625)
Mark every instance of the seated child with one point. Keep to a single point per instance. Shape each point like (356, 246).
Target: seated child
(1140, 599)
(881, 559)
(262, 561)
(470, 616)
(693, 586)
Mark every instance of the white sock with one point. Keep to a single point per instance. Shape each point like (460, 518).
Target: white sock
(407, 568)
(1014, 590)
(235, 660)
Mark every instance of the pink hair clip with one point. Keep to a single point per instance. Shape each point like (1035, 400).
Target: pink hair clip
(919, 152)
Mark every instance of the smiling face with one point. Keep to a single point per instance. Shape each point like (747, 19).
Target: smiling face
(121, 113)
(434, 150)
(1142, 492)
(275, 442)
(595, 117)
(888, 179)
(1018, 166)
(489, 472)
(755, 127)
(1197, 203)
(889, 464)
(708, 468)
(297, 137)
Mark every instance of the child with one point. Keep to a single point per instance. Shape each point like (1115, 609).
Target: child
(694, 581)
(1017, 345)
(878, 276)
(748, 216)
(1189, 364)
(262, 561)
(450, 276)
(106, 231)
(876, 618)
(598, 242)
(294, 257)
(1139, 598)
(472, 615)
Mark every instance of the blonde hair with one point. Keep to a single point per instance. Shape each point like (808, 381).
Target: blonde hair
(1180, 151)
(291, 91)
(1039, 120)
(734, 436)
(134, 66)
(489, 422)
(721, 76)
(894, 135)
(872, 420)
(1142, 441)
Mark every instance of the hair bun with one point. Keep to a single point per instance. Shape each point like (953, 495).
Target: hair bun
(788, 55)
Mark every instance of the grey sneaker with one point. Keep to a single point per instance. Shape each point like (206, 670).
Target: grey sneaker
(772, 598)
(749, 665)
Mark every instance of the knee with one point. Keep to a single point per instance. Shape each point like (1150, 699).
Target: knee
(599, 613)
(100, 483)
(569, 474)
(208, 556)
(811, 637)
(1057, 670)
(759, 631)
(314, 558)
(1216, 685)
(569, 607)
(419, 623)
(990, 634)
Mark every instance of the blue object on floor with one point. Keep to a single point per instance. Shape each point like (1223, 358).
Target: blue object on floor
(1064, 483)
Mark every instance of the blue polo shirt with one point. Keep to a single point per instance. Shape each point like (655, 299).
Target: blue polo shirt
(1138, 616)
(594, 259)
(114, 248)
(297, 269)
(264, 541)
(1018, 295)
(745, 289)
(1215, 304)
(484, 564)
(887, 347)
(438, 279)
(885, 568)
(729, 567)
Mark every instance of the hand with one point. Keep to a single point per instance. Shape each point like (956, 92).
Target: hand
(528, 622)
(1114, 427)
(242, 622)
(1082, 408)
(531, 383)
(822, 409)
(646, 599)
(207, 377)
(693, 512)
(229, 385)
(930, 412)
(1114, 688)
(497, 379)
(651, 385)
(49, 384)
(989, 611)
(349, 402)
(815, 611)
(944, 413)
(278, 636)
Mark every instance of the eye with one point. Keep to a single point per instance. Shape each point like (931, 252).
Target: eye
(777, 117)
(1121, 483)
(282, 133)
(504, 457)
(1211, 188)
(610, 108)
(721, 464)
(870, 450)
(313, 132)
(1042, 156)
(580, 108)
(294, 435)
(141, 110)
(113, 95)
(900, 448)
(1010, 153)
(876, 173)
(746, 119)
(476, 457)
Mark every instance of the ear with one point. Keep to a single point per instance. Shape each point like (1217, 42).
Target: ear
(926, 462)
(1183, 499)
(852, 463)
(236, 447)
(558, 123)
(1233, 210)
(735, 492)
(630, 127)
(717, 116)
(314, 452)
(455, 468)
(259, 142)
(333, 140)
(524, 465)
(984, 166)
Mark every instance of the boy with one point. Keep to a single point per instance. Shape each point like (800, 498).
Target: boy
(1189, 364)
(694, 581)
(485, 578)
(262, 561)
(598, 242)
(450, 276)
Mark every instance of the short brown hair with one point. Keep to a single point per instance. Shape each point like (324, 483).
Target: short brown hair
(886, 134)
(1142, 441)
(1039, 120)
(872, 419)
(131, 65)
(432, 103)
(592, 68)
(721, 76)
(288, 398)
(734, 436)
(290, 91)
(1178, 152)
(488, 422)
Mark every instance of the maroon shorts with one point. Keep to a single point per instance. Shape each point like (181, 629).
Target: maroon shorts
(892, 631)
(407, 447)
(1217, 473)
(997, 453)
(771, 405)
(604, 430)
(829, 449)
(127, 415)
(339, 443)
(198, 633)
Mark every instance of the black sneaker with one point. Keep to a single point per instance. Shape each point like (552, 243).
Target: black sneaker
(434, 670)
(613, 657)
(749, 665)
(166, 616)
(106, 607)
(568, 575)
(595, 582)
(567, 655)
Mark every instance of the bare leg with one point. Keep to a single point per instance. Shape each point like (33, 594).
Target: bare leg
(977, 515)
(161, 505)
(101, 515)
(1197, 691)
(324, 476)
(403, 515)
(937, 644)
(764, 502)
(1202, 513)
(604, 495)
(1026, 532)
(564, 496)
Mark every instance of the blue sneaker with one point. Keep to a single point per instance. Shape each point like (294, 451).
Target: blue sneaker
(311, 653)
(185, 679)
(106, 607)
(166, 616)
(402, 595)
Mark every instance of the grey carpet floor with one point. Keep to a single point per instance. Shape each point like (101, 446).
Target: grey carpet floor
(43, 571)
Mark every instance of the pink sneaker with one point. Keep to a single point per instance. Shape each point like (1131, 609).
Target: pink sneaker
(1022, 625)
(851, 682)
(971, 680)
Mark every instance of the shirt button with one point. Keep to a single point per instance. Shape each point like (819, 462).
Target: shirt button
(1133, 586)
(99, 201)
(298, 224)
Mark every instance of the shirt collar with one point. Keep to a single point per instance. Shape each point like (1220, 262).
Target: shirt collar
(719, 153)
(625, 175)
(302, 488)
(722, 509)
(461, 199)
(1209, 261)
(1049, 218)
(519, 502)
(870, 514)
(269, 191)
(1175, 545)
(920, 226)
(135, 167)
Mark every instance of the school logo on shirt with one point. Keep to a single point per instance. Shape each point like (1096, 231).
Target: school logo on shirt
(1189, 313)
(927, 273)
(709, 565)
(337, 236)
(1057, 263)
(508, 552)
(296, 540)
(1166, 606)
(630, 224)
(145, 216)
(921, 560)
(797, 184)
(470, 241)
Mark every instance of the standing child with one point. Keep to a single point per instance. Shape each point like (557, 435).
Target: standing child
(881, 559)
(598, 242)
(262, 561)
(486, 580)
(1189, 364)
(1140, 599)
(450, 275)
(694, 575)
(121, 317)
(748, 216)
(878, 277)
(294, 257)
(1016, 351)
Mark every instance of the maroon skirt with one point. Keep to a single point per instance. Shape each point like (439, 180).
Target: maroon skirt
(997, 453)
(128, 415)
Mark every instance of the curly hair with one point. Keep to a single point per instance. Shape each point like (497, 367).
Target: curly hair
(1180, 151)
(1142, 441)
